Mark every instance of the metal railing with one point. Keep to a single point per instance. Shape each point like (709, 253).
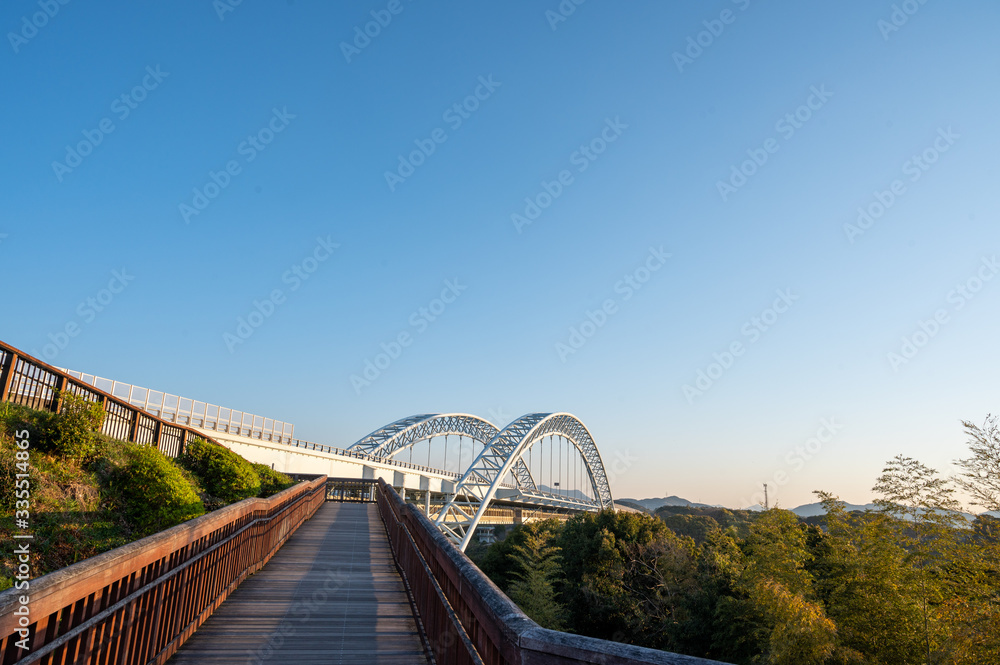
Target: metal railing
(139, 603)
(388, 461)
(192, 412)
(468, 620)
(351, 490)
(32, 383)
(346, 452)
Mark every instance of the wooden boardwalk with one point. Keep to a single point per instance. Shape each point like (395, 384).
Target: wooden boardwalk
(331, 594)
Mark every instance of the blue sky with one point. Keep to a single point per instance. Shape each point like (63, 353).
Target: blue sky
(641, 124)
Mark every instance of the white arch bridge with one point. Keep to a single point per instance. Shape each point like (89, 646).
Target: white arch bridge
(547, 460)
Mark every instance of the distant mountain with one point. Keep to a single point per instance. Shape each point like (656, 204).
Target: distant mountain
(807, 510)
(573, 494)
(652, 504)
(816, 509)
(629, 503)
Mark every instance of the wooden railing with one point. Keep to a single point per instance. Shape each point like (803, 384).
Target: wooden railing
(468, 620)
(138, 603)
(30, 382)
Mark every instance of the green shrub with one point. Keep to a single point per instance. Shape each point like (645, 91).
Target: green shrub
(151, 491)
(73, 433)
(8, 474)
(271, 481)
(223, 473)
(14, 417)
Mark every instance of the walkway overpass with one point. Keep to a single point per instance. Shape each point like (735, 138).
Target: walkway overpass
(488, 466)
(380, 581)
(540, 465)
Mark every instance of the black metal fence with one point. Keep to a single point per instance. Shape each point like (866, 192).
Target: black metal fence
(351, 490)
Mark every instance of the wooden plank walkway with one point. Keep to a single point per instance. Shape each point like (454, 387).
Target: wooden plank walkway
(331, 594)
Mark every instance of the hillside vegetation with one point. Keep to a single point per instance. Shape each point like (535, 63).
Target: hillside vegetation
(90, 493)
(908, 583)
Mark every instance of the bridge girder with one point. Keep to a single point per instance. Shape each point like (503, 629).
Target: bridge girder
(478, 486)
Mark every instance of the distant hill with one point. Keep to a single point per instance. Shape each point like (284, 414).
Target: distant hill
(804, 511)
(816, 509)
(629, 503)
(573, 494)
(652, 504)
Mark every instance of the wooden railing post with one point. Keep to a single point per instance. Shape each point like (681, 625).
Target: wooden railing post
(133, 427)
(58, 401)
(7, 375)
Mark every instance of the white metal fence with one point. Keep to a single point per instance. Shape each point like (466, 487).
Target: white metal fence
(190, 412)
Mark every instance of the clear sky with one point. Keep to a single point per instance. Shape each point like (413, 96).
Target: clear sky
(610, 195)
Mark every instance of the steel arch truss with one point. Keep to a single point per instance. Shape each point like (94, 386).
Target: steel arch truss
(477, 487)
(389, 440)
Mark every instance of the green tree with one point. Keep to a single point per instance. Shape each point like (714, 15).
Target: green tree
(597, 553)
(498, 560)
(972, 611)
(980, 475)
(777, 581)
(928, 512)
(536, 569)
(863, 579)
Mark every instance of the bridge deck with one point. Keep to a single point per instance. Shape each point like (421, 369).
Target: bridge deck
(331, 595)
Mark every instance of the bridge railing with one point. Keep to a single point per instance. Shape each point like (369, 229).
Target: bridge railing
(30, 382)
(191, 412)
(139, 603)
(468, 620)
(356, 454)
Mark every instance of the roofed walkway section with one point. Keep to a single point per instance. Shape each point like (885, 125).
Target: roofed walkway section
(332, 594)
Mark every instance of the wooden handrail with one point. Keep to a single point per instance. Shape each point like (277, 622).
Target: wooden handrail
(499, 631)
(138, 603)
